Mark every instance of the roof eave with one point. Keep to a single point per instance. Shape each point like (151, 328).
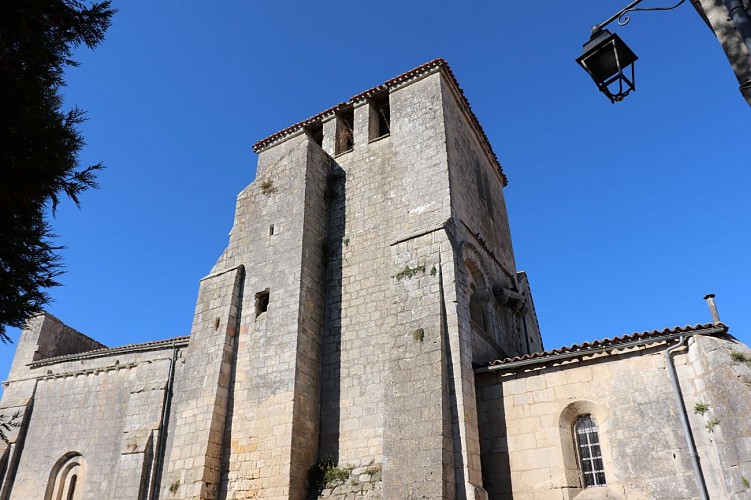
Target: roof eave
(600, 346)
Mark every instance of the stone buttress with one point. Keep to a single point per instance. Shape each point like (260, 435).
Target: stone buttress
(260, 419)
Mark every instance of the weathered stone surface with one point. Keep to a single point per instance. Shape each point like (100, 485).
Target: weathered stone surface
(643, 447)
(369, 271)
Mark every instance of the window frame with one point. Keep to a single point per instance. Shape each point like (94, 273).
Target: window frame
(591, 466)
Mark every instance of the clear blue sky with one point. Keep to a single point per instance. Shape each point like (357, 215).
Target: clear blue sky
(624, 216)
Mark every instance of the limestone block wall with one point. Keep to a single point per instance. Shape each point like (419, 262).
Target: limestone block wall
(490, 304)
(397, 235)
(526, 420)
(270, 424)
(476, 183)
(479, 210)
(629, 396)
(340, 323)
(357, 312)
(718, 375)
(193, 468)
(97, 413)
(418, 396)
(392, 189)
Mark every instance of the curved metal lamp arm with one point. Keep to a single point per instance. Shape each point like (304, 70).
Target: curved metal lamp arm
(623, 18)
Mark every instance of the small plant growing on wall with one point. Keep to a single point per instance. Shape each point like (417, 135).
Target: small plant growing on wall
(419, 335)
(409, 272)
(712, 423)
(740, 357)
(701, 408)
(174, 486)
(334, 474)
(372, 469)
(327, 474)
(267, 187)
(745, 482)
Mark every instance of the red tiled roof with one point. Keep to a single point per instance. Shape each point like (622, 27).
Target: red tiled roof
(429, 66)
(155, 344)
(615, 342)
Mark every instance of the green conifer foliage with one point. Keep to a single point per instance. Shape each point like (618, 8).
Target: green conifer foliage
(39, 142)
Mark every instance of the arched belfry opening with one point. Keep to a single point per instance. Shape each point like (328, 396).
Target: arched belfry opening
(67, 478)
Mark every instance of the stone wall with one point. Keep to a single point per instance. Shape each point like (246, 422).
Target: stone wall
(718, 376)
(47, 337)
(488, 303)
(527, 417)
(100, 413)
(202, 392)
(392, 189)
(271, 431)
(342, 483)
(336, 327)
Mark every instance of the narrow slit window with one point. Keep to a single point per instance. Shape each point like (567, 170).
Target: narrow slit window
(345, 124)
(475, 308)
(271, 230)
(262, 302)
(590, 454)
(72, 487)
(380, 117)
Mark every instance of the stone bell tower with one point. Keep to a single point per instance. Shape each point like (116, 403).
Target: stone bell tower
(369, 267)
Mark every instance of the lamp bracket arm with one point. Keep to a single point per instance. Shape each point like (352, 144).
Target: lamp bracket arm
(623, 18)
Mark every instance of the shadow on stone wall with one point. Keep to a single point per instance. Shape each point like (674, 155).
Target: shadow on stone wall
(227, 438)
(491, 416)
(332, 335)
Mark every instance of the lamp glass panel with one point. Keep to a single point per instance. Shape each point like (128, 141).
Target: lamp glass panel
(599, 57)
(602, 62)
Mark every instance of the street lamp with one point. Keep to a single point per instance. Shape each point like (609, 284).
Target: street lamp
(605, 57)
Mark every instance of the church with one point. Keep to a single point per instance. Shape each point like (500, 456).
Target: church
(366, 334)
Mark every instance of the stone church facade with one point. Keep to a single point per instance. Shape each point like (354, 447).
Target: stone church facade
(366, 334)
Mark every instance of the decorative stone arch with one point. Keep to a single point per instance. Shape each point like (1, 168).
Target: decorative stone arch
(478, 287)
(67, 478)
(567, 420)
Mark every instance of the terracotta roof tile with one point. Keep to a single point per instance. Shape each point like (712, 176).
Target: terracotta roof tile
(439, 63)
(614, 342)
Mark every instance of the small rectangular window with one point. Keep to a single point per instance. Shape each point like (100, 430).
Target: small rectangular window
(345, 125)
(262, 302)
(380, 117)
(271, 230)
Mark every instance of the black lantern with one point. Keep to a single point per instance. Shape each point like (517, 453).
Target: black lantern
(605, 57)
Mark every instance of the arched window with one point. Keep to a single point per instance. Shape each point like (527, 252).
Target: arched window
(66, 477)
(590, 454)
